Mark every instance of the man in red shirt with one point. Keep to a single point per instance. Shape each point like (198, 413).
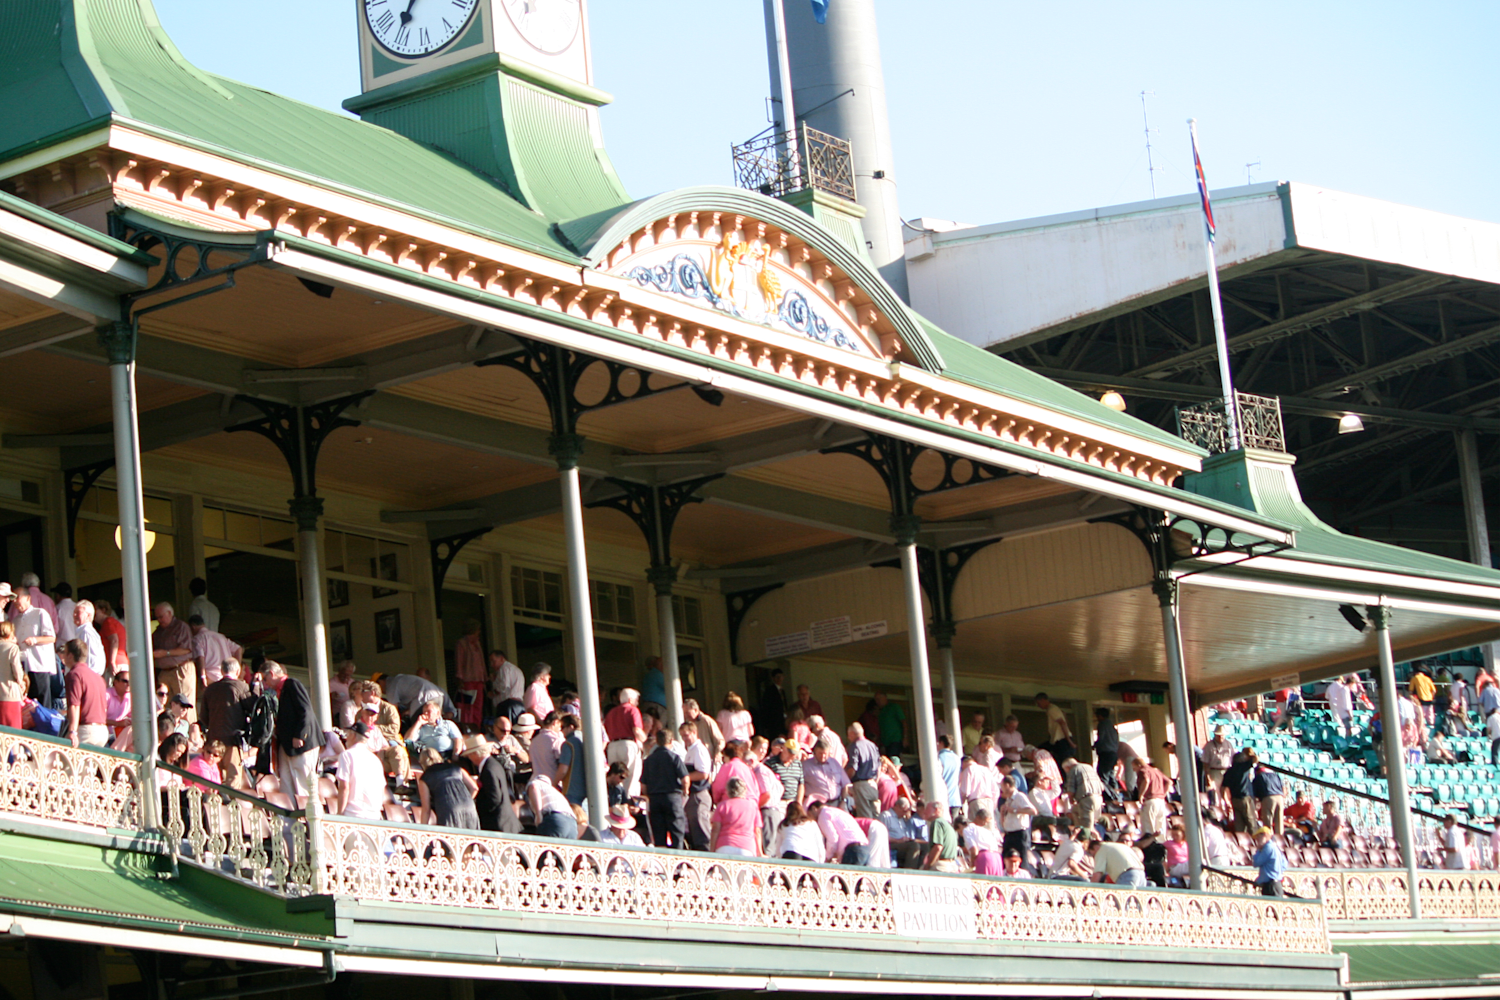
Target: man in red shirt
(86, 698)
(1152, 787)
(626, 732)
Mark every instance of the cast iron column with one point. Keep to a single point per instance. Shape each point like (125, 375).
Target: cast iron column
(119, 341)
(905, 527)
(1395, 755)
(306, 511)
(1187, 769)
(662, 578)
(942, 634)
(567, 449)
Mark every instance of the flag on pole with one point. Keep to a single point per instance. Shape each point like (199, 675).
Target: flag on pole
(820, 11)
(1208, 209)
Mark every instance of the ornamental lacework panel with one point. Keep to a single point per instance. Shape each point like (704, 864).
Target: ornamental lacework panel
(55, 781)
(239, 836)
(1381, 895)
(394, 863)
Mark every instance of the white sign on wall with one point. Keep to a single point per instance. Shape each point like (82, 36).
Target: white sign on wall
(928, 906)
(824, 634)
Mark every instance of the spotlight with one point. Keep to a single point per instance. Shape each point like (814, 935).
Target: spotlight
(1113, 400)
(1354, 618)
(710, 395)
(1350, 423)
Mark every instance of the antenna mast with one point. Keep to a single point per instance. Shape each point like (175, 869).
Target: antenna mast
(1150, 167)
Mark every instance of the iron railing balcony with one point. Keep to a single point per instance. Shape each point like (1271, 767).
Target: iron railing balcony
(1257, 417)
(779, 163)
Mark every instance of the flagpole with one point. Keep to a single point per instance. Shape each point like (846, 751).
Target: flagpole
(1231, 411)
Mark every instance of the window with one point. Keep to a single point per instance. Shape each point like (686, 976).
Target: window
(536, 594)
(23, 490)
(688, 613)
(236, 528)
(364, 557)
(614, 606)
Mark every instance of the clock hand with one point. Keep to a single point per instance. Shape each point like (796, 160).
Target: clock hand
(406, 14)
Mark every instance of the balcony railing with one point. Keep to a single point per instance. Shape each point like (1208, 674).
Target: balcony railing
(783, 162)
(1379, 894)
(1257, 417)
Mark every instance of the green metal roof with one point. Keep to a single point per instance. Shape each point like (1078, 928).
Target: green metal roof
(127, 888)
(74, 230)
(964, 362)
(69, 66)
(1265, 483)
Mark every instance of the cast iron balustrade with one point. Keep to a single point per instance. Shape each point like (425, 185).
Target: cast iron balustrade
(782, 162)
(1258, 419)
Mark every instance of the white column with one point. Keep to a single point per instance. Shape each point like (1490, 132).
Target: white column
(306, 511)
(950, 686)
(1187, 770)
(1475, 519)
(921, 677)
(666, 624)
(1395, 754)
(582, 614)
(119, 341)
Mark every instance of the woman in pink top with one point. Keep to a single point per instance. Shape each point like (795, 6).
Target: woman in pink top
(206, 764)
(734, 721)
(736, 823)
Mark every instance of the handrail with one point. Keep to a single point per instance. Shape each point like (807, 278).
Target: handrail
(1365, 795)
(226, 790)
(59, 741)
(1241, 880)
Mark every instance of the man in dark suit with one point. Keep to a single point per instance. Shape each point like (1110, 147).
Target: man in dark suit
(770, 712)
(299, 736)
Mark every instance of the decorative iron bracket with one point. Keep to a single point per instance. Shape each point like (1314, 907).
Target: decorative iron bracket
(739, 604)
(444, 550)
(188, 262)
(76, 485)
(1170, 541)
(557, 372)
(654, 510)
(298, 432)
(894, 461)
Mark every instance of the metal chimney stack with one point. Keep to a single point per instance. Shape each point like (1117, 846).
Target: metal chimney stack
(838, 87)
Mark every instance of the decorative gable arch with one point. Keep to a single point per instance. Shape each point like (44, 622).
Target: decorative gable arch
(759, 260)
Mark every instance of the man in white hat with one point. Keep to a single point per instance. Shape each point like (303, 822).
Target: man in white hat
(621, 829)
(361, 778)
(495, 799)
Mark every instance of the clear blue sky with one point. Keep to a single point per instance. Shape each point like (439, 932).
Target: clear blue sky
(1005, 110)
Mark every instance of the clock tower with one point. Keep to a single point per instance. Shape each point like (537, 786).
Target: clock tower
(503, 85)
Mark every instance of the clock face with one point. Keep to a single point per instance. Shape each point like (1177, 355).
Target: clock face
(415, 28)
(549, 26)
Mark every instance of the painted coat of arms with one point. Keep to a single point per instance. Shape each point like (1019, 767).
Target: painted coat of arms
(739, 278)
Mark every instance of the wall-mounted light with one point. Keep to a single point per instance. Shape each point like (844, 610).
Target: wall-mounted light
(1113, 400)
(1350, 423)
(148, 538)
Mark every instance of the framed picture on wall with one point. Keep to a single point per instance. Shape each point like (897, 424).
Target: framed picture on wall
(388, 630)
(338, 593)
(385, 567)
(340, 641)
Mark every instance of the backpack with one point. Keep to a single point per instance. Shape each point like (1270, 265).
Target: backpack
(260, 719)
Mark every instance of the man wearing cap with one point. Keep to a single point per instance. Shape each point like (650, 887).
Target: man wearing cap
(172, 653)
(1269, 863)
(211, 649)
(1085, 791)
(180, 709)
(494, 800)
(361, 779)
(666, 780)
